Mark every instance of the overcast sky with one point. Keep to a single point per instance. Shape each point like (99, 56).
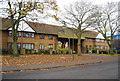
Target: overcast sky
(63, 2)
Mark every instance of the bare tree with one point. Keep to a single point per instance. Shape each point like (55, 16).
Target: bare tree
(19, 9)
(78, 15)
(107, 22)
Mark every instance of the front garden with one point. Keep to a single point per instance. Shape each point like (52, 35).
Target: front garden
(32, 59)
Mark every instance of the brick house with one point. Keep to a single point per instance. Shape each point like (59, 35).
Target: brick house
(38, 36)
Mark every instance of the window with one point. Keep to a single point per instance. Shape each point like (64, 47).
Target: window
(28, 46)
(50, 46)
(26, 34)
(41, 46)
(97, 40)
(102, 47)
(98, 47)
(42, 36)
(86, 46)
(102, 40)
(19, 45)
(86, 39)
(10, 33)
(18, 34)
(10, 45)
(106, 47)
(50, 36)
(90, 40)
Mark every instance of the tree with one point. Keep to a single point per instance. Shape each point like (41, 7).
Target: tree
(18, 10)
(78, 15)
(106, 19)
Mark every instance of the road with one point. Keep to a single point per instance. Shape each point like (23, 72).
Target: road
(105, 70)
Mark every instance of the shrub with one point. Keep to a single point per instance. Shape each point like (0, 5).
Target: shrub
(6, 51)
(47, 51)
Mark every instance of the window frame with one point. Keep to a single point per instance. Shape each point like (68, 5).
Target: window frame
(29, 46)
(50, 37)
(19, 34)
(29, 34)
(50, 46)
(42, 36)
(41, 46)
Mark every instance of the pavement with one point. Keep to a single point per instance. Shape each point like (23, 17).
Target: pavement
(47, 66)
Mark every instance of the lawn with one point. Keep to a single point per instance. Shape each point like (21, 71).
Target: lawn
(41, 59)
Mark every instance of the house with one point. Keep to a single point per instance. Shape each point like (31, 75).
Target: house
(39, 36)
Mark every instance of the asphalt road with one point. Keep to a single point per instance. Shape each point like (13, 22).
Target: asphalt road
(106, 70)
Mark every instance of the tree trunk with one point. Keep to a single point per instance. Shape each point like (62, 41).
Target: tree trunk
(79, 46)
(15, 48)
(111, 46)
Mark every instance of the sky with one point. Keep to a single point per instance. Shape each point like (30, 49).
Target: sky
(62, 3)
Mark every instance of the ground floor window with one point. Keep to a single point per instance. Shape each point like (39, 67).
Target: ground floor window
(50, 46)
(28, 46)
(102, 47)
(41, 46)
(10, 45)
(98, 47)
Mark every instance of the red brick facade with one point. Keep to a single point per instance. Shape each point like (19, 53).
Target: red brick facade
(52, 34)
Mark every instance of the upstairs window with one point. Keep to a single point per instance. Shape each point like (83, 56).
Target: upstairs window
(90, 40)
(86, 39)
(19, 34)
(97, 40)
(26, 34)
(50, 36)
(102, 41)
(10, 33)
(42, 36)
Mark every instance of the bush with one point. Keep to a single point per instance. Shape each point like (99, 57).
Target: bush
(47, 51)
(40, 51)
(63, 50)
(28, 51)
(6, 51)
(103, 52)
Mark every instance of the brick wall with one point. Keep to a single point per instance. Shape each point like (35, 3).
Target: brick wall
(4, 39)
(35, 40)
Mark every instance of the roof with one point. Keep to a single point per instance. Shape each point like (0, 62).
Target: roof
(62, 32)
(90, 34)
(45, 28)
(5, 23)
